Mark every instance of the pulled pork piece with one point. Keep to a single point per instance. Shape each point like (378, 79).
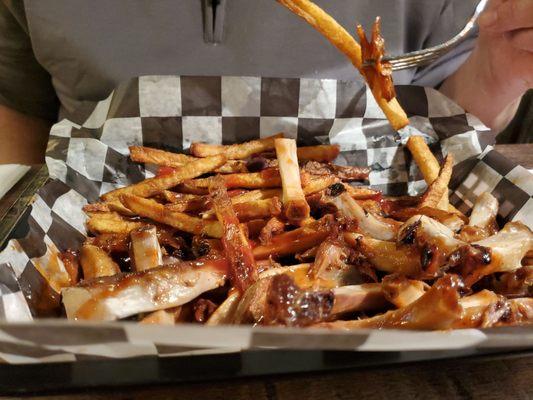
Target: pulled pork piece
(290, 306)
(518, 283)
(438, 308)
(345, 173)
(367, 223)
(203, 309)
(119, 296)
(435, 241)
(386, 256)
(273, 227)
(331, 259)
(379, 72)
(502, 252)
(520, 312)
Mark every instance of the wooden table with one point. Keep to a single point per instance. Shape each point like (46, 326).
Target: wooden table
(486, 377)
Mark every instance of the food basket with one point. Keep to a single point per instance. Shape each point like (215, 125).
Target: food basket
(169, 112)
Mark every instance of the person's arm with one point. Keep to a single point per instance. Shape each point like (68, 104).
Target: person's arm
(22, 138)
(28, 103)
(500, 69)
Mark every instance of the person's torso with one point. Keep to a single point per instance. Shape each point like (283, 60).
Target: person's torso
(90, 46)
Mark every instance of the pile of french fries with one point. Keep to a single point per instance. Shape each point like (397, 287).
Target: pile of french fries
(267, 233)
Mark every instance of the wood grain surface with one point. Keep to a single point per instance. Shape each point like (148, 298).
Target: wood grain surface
(484, 379)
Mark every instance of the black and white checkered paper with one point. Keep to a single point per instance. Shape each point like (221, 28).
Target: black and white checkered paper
(170, 112)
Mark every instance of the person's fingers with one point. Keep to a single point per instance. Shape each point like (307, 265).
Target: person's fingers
(507, 16)
(522, 39)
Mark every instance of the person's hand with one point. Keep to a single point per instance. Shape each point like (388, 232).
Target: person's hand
(500, 69)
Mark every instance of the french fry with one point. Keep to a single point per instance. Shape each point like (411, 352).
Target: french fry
(439, 187)
(360, 192)
(235, 151)
(343, 41)
(424, 158)
(157, 212)
(295, 241)
(429, 166)
(96, 263)
(187, 202)
(258, 209)
(158, 157)
(268, 178)
(152, 186)
(145, 252)
(321, 153)
(111, 222)
(236, 246)
(316, 184)
(295, 206)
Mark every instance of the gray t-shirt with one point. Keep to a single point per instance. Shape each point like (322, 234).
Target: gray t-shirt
(79, 50)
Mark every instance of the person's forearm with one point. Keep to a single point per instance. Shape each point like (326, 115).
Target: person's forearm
(22, 138)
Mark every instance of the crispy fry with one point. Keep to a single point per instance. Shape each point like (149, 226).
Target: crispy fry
(156, 211)
(268, 178)
(318, 183)
(257, 209)
(235, 243)
(235, 151)
(439, 187)
(321, 153)
(295, 206)
(424, 158)
(111, 222)
(152, 186)
(96, 263)
(295, 241)
(429, 166)
(376, 76)
(158, 157)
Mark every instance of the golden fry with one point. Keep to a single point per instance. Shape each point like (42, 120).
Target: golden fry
(111, 222)
(235, 151)
(321, 153)
(343, 41)
(157, 212)
(158, 157)
(152, 186)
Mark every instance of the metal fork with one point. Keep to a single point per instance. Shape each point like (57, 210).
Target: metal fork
(425, 56)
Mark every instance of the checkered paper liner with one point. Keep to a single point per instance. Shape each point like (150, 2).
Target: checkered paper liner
(170, 112)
